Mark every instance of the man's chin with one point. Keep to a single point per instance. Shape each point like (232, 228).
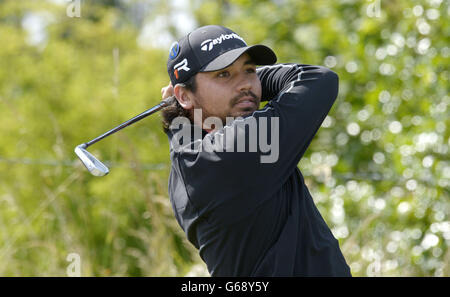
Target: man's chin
(246, 112)
(243, 112)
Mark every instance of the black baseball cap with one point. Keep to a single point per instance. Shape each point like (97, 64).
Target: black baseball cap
(211, 48)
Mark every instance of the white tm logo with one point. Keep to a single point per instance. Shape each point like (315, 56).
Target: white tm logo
(208, 44)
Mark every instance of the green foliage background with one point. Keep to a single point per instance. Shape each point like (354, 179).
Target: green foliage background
(378, 169)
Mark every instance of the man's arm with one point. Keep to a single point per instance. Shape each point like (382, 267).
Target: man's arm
(313, 90)
(275, 78)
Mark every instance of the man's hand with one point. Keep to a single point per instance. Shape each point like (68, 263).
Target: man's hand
(167, 91)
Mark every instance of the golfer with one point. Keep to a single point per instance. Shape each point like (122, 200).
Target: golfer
(247, 216)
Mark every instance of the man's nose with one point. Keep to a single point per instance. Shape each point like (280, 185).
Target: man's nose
(244, 83)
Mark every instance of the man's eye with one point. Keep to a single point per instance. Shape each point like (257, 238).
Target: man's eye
(223, 74)
(251, 70)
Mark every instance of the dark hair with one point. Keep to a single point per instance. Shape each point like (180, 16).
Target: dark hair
(176, 110)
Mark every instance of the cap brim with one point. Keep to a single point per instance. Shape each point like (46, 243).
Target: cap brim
(260, 54)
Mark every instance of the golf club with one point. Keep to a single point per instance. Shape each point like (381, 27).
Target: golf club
(96, 167)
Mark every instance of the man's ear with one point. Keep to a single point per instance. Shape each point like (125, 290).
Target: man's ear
(183, 96)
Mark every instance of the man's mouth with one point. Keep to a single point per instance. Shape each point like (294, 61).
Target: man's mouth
(246, 101)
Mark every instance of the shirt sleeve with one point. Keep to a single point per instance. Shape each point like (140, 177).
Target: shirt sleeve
(235, 181)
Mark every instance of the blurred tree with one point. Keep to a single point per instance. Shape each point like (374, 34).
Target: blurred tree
(82, 77)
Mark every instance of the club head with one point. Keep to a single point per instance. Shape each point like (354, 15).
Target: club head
(94, 166)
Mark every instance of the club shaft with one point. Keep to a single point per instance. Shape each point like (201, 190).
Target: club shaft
(139, 117)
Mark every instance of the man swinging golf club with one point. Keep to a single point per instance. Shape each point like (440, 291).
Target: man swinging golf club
(247, 217)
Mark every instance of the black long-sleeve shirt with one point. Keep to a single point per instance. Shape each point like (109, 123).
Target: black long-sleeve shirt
(253, 218)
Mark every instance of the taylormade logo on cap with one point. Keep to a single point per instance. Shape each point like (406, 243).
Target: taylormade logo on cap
(208, 44)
